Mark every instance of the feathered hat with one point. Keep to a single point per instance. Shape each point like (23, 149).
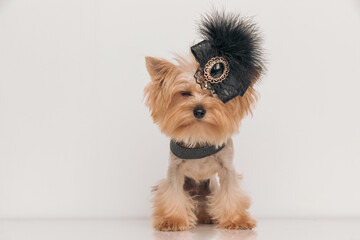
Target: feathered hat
(230, 55)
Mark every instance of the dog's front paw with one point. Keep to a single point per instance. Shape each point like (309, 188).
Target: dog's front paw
(244, 223)
(171, 224)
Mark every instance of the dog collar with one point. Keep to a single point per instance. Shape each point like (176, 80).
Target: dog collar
(193, 153)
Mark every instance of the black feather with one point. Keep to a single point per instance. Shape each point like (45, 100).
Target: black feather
(238, 41)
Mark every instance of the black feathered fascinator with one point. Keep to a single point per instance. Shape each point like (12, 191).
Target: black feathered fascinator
(229, 56)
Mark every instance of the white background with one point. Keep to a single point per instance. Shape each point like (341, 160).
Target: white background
(77, 141)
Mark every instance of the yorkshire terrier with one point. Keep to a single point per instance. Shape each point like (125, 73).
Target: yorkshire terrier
(199, 103)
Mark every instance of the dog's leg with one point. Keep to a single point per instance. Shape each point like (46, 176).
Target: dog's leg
(173, 207)
(229, 204)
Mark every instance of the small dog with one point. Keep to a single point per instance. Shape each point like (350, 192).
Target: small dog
(200, 113)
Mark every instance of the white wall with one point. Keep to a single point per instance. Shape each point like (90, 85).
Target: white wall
(77, 141)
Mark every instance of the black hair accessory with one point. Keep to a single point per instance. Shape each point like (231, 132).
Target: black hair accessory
(229, 56)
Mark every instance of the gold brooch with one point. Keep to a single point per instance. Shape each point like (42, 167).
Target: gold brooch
(215, 71)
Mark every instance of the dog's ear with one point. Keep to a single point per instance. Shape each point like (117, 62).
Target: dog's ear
(158, 91)
(159, 69)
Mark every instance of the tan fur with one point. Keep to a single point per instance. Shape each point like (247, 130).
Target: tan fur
(175, 207)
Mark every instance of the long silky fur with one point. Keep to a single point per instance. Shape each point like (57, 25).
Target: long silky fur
(238, 38)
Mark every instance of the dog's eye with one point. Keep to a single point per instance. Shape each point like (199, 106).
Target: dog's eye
(186, 94)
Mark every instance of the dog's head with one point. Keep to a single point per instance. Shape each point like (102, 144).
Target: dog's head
(201, 100)
(187, 113)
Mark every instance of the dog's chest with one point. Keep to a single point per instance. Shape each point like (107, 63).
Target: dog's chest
(201, 169)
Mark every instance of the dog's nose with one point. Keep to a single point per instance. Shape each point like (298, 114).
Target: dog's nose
(199, 112)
